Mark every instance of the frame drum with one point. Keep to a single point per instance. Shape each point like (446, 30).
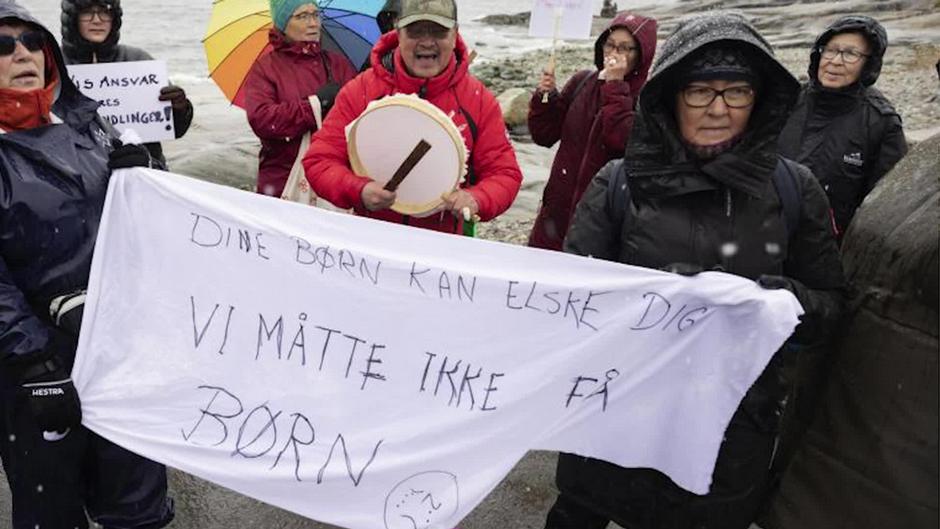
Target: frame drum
(385, 136)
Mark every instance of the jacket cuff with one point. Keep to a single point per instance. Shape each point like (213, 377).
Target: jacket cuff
(482, 201)
(354, 189)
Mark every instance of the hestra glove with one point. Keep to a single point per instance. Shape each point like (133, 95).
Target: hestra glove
(52, 397)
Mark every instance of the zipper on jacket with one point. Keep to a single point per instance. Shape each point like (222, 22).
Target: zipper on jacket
(729, 248)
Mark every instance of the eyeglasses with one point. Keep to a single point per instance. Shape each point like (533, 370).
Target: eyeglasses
(307, 17)
(623, 48)
(418, 30)
(32, 41)
(849, 55)
(703, 96)
(104, 14)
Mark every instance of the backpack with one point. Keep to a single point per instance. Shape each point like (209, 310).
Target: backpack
(785, 178)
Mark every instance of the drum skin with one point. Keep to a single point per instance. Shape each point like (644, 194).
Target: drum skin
(383, 136)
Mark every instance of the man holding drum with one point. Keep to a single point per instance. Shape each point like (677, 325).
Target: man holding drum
(425, 57)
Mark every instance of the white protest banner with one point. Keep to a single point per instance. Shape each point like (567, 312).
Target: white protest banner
(574, 19)
(373, 375)
(127, 93)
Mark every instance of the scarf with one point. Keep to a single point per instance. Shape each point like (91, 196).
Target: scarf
(21, 110)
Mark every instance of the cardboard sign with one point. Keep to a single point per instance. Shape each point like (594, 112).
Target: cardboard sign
(373, 375)
(127, 93)
(562, 19)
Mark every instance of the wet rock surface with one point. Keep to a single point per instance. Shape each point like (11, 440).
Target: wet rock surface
(872, 448)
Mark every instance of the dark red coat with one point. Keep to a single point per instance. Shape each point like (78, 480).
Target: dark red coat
(491, 155)
(592, 118)
(276, 92)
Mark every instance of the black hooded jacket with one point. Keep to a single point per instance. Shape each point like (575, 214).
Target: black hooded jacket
(387, 16)
(723, 213)
(850, 137)
(53, 180)
(77, 50)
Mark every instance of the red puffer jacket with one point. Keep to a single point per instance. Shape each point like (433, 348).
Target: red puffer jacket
(276, 92)
(592, 118)
(491, 155)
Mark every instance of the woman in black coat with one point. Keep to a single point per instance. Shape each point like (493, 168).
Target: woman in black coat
(843, 128)
(56, 158)
(702, 188)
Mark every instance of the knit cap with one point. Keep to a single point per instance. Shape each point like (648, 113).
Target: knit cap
(281, 10)
(718, 62)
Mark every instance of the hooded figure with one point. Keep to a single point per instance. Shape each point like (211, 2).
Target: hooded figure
(388, 16)
(285, 86)
(105, 32)
(592, 117)
(697, 190)
(843, 128)
(55, 163)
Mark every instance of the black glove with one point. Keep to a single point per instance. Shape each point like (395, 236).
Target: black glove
(124, 156)
(52, 397)
(776, 283)
(327, 96)
(683, 269)
(175, 95)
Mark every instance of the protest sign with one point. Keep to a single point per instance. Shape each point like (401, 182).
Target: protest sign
(561, 19)
(369, 374)
(128, 94)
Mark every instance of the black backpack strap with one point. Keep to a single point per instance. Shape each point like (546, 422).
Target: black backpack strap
(580, 85)
(618, 195)
(326, 66)
(472, 125)
(790, 190)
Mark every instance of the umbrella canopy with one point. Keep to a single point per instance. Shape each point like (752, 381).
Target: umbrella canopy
(238, 35)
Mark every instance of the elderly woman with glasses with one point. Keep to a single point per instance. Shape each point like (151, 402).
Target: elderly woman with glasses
(701, 187)
(289, 91)
(843, 128)
(591, 117)
(56, 158)
(91, 30)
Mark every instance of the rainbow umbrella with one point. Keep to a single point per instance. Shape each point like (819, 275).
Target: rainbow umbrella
(238, 35)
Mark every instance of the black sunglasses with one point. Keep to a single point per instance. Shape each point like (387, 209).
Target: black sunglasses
(32, 41)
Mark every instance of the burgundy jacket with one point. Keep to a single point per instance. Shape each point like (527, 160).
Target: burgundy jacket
(455, 92)
(276, 92)
(592, 119)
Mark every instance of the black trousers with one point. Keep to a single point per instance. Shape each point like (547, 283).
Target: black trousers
(54, 483)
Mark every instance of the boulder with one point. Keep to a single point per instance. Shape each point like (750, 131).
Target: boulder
(515, 105)
(870, 456)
